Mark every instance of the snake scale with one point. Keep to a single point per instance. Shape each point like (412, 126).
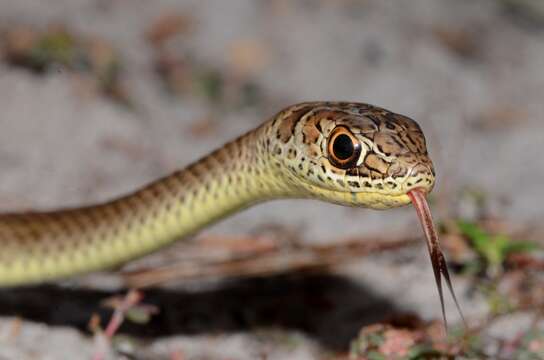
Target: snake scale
(347, 153)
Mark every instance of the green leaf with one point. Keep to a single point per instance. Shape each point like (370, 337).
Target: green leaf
(472, 231)
(138, 315)
(423, 352)
(374, 355)
(211, 85)
(493, 248)
(478, 238)
(516, 247)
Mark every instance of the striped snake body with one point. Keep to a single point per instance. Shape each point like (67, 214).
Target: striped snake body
(347, 153)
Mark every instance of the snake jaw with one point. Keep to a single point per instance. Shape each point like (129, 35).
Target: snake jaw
(420, 178)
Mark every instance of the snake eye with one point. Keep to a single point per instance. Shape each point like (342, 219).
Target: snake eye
(343, 148)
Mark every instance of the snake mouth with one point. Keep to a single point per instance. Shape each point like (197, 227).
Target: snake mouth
(421, 178)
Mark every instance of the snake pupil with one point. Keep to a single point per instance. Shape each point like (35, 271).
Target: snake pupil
(343, 147)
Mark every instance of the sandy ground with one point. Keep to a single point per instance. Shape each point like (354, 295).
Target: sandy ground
(478, 99)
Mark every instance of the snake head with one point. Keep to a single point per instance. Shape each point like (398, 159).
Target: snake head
(352, 154)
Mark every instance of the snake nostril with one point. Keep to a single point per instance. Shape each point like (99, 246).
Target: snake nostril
(396, 170)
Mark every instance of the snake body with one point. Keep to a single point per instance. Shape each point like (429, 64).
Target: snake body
(347, 153)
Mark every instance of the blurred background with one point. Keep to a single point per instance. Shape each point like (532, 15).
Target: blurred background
(99, 97)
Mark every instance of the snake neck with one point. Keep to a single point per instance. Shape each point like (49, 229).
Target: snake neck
(236, 176)
(46, 246)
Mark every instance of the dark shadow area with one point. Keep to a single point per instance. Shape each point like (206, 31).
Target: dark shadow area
(329, 308)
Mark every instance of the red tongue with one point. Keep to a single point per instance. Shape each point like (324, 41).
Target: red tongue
(437, 257)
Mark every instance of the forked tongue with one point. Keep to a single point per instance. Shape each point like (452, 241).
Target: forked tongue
(437, 257)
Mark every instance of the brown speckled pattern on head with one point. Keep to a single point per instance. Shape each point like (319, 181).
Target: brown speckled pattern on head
(285, 157)
(393, 160)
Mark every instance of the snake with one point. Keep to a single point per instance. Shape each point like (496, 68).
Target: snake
(347, 153)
